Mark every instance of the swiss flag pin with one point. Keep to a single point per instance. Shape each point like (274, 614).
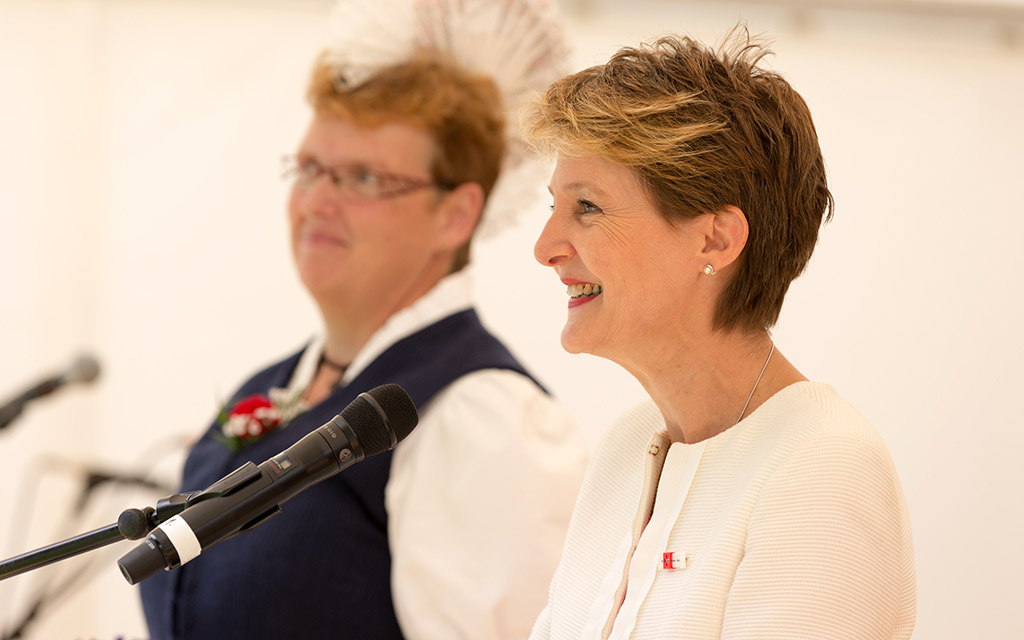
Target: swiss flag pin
(670, 561)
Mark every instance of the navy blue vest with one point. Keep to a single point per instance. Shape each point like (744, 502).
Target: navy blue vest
(322, 568)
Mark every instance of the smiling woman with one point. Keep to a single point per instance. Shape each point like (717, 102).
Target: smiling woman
(744, 501)
(605, 233)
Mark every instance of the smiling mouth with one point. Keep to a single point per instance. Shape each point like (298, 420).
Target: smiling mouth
(583, 290)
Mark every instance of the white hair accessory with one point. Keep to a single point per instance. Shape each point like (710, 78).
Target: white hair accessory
(519, 44)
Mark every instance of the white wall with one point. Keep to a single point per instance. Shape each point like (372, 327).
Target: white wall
(141, 217)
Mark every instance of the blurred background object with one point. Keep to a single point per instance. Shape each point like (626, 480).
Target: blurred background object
(83, 370)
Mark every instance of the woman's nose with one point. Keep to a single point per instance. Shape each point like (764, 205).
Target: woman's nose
(552, 247)
(319, 197)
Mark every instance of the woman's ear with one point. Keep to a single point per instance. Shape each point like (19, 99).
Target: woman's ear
(460, 210)
(725, 237)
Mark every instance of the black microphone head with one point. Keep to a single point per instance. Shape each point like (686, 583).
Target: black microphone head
(85, 368)
(381, 418)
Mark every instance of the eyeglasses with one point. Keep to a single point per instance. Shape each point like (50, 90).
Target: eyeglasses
(355, 181)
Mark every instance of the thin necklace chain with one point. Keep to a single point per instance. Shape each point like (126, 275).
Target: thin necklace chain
(756, 382)
(331, 364)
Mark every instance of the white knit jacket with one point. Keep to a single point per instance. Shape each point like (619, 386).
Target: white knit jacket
(791, 524)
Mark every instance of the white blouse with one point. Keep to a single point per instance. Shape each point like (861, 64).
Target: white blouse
(791, 524)
(480, 493)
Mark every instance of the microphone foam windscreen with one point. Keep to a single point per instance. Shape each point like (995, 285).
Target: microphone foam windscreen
(375, 430)
(85, 368)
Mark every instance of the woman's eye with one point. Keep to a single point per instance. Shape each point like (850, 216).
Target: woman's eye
(309, 168)
(365, 177)
(582, 207)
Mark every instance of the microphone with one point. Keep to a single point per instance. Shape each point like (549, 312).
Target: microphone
(248, 496)
(84, 369)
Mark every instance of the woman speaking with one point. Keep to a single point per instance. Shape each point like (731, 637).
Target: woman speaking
(744, 501)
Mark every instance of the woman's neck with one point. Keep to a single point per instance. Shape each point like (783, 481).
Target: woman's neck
(346, 335)
(705, 387)
(336, 355)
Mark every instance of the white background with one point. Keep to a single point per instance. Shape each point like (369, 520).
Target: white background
(142, 219)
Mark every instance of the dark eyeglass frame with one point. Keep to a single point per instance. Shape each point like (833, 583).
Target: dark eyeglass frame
(355, 180)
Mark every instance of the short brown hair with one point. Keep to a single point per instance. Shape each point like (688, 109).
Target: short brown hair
(460, 110)
(704, 129)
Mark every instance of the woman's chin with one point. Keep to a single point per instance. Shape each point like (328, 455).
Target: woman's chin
(318, 283)
(572, 341)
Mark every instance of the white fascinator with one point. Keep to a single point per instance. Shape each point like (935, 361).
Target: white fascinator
(520, 44)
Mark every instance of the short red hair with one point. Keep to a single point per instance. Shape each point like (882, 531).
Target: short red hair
(460, 110)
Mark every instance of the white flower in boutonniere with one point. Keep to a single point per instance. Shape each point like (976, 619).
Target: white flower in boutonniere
(254, 416)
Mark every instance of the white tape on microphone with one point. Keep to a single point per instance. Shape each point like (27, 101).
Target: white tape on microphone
(182, 538)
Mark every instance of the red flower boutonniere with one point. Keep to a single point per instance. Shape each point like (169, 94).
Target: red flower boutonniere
(255, 416)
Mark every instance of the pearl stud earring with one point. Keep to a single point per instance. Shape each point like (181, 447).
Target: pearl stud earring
(709, 270)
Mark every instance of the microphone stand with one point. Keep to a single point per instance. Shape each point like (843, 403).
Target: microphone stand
(132, 524)
(10, 411)
(13, 407)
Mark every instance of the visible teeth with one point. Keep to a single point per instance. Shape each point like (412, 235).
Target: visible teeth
(580, 290)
